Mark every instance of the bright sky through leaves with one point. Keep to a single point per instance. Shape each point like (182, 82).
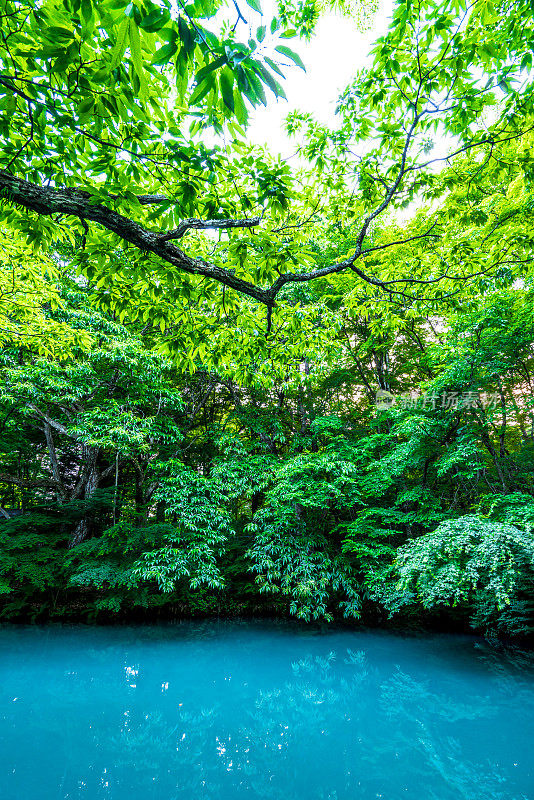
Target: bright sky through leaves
(332, 58)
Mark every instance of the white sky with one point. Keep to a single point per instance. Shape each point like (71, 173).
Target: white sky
(332, 58)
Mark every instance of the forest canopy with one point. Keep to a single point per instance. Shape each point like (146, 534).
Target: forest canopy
(238, 383)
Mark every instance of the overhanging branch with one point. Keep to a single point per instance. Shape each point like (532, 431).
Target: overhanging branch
(45, 201)
(208, 224)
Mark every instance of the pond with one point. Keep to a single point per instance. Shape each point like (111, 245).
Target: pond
(231, 710)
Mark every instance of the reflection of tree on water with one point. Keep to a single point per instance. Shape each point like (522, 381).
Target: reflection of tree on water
(427, 742)
(386, 749)
(331, 727)
(336, 735)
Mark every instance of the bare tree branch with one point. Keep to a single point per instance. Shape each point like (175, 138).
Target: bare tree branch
(201, 225)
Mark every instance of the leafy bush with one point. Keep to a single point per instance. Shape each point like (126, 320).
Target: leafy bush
(484, 566)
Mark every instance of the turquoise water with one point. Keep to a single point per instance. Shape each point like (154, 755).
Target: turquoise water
(225, 711)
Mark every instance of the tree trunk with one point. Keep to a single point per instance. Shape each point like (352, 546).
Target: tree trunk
(89, 486)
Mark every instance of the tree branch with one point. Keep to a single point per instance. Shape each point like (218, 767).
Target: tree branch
(41, 483)
(200, 224)
(48, 420)
(47, 201)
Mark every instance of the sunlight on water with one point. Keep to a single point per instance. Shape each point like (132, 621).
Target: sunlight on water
(225, 711)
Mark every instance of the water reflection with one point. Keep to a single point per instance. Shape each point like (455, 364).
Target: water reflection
(259, 710)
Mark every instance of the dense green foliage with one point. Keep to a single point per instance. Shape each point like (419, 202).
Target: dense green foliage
(197, 432)
(143, 488)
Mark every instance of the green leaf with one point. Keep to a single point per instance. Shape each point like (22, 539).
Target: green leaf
(257, 92)
(226, 80)
(269, 81)
(156, 20)
(61, 63)
(186, 35)
(85, 106)
(255, 5)
(201, 74)
(274, 66)
(57, 32)
(164, 54)
(120, 43)
(287, 51)
(137, 58)
(202, 89)
(87, 11)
